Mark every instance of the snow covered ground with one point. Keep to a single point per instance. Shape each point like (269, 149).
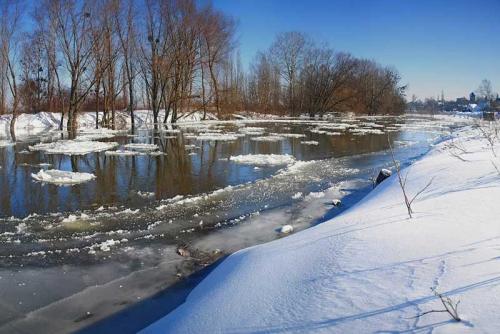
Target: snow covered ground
(372, 268)
(36, 124)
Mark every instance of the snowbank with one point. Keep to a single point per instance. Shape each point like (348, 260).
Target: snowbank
(263, 159)
(371, 268)
(60, 177)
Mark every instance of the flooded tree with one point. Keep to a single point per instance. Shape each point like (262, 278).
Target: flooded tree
(10, 12)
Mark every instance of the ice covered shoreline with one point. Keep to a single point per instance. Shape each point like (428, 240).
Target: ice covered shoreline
(371, 268)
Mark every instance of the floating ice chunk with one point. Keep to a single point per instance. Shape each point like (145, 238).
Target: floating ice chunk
(60, 177)
(124, 153)
(145, 194)
(74, 218)
(21, 228)
(263, 159)
(286, 229)
(289, 135)
(297, 195)
(94, 136)
(73, 147)
(268, 138)
(142, 147)
(129, 211)
(216, 137)
(315, 195)
(361, 132)
(156, 153)
(309, 142)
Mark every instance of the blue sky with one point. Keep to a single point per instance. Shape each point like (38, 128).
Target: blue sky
(436, 45)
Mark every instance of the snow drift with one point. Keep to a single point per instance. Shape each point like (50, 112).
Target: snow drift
(370, 269)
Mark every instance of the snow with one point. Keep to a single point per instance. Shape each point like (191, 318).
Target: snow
(60, 177)
(73, 147)
(263, 159)
(371, 268)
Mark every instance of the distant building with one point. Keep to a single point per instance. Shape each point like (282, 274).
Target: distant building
(472, 97)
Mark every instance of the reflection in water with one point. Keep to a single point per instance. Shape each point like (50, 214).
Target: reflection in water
(183, 170)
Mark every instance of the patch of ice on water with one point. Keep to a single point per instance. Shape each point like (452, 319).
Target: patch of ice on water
(315, 195)
(141, 147)
(145, 194)
(73, 147)
(171, 130)
(216, 137)
(268, 138)
(21, 228)
(124, 153)
(361, 132)
(263, 159)
(105, 246)
(129, 211)
(309, 142)
(60, 177)
(289, 135)
(73, 218)
(297, 195)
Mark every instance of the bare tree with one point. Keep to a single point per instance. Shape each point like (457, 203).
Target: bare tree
(288, 52)
(217, 35)
(73, 29)
(10, 11)
(127, 36)
(485, 90)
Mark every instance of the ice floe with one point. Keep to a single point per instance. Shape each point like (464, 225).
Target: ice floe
(60, 177)
(73, 147)
(263, 159)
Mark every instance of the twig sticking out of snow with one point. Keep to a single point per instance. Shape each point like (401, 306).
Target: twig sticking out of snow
(402, 182)
(450, 307)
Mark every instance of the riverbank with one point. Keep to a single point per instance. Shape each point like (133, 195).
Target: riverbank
(371, 268)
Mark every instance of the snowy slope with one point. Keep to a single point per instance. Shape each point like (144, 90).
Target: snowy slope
(370, 269)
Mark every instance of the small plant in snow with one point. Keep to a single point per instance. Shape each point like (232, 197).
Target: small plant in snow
(490, 134)
(402, 183)
(450, 306)
(456, 149)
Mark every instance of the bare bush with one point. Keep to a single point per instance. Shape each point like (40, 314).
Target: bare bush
(490, 134)
(402, 183)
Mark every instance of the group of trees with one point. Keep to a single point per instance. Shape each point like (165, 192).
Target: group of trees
(110, 55)
(114, 55)
(296, 76)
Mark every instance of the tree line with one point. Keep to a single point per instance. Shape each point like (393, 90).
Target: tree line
(106, 56)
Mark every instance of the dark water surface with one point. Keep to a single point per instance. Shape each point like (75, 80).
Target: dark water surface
(71, 255)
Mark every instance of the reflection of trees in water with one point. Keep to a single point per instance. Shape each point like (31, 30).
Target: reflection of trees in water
(168, 175)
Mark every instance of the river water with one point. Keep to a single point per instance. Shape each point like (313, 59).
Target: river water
(71, 255)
